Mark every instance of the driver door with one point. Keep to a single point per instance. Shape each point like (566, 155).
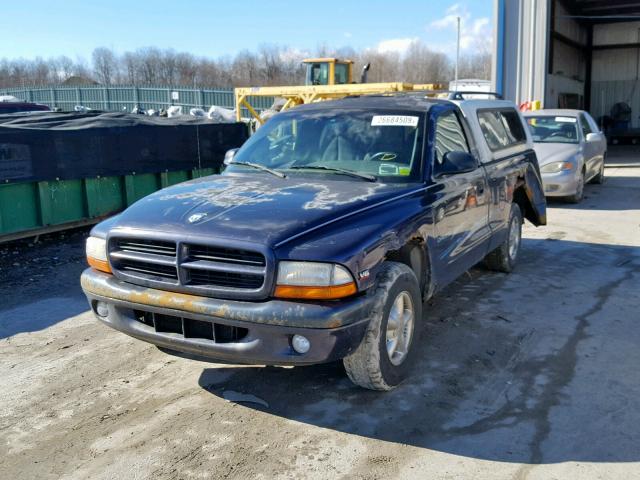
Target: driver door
(461, 209)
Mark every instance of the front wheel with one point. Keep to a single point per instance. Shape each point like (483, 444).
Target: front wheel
(503, 258)
(386, 353)
(599, 178)
(577, 197)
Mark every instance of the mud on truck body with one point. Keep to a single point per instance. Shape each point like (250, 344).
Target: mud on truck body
(324, 235)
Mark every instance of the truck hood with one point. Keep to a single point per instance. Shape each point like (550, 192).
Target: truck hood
(255, 208)
(555, 152)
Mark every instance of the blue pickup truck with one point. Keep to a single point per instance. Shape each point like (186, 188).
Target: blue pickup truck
(323, 237)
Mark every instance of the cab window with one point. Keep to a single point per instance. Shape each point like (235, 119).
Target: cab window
(450, 137)
(318, 74)
(341, 73)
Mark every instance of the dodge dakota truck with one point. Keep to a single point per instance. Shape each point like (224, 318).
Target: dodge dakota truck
(324, 235)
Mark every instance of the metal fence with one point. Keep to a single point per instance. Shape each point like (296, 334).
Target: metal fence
(126, 97)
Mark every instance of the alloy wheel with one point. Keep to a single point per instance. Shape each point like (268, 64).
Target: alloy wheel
(400, 328)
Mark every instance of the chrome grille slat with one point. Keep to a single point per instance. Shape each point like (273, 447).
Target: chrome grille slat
(223, 259)
(227, 255)
(225, 279)
(141, 270)
(144, 257)
(153, 247)
(223, 267)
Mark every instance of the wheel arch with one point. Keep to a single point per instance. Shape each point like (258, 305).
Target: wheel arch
(415, 254)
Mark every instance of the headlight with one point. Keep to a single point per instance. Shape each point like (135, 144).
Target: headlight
(97, 254)
(556, 167)
(313, 280)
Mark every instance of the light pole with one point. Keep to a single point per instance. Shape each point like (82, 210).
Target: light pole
(457, 55)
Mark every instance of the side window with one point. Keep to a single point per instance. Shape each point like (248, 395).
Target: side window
(513, 126)
(493, 129)
(341, 71)
(501, 128)
(586, 128)
(449, 136)
(319, 74)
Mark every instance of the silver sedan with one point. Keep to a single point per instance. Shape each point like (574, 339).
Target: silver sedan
(571, 150)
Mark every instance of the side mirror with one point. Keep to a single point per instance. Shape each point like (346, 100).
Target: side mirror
(456, 162)
(593, 137)
(228, 157)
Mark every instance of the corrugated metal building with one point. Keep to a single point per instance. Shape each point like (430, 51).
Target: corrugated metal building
(571, 53)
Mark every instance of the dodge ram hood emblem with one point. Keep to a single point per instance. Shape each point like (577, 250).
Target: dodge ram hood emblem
(195, 217)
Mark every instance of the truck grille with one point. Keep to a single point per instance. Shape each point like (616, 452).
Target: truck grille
(190, 328)
(201, 269)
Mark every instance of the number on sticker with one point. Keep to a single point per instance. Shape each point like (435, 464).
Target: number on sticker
(394, 121)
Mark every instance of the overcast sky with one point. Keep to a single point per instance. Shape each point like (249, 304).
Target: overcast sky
(33, 28)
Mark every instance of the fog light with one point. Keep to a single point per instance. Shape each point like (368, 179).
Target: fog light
(300, 344)
(102, 309)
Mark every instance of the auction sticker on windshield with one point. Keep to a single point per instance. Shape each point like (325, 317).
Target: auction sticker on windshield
(566, 119)
(394, 121)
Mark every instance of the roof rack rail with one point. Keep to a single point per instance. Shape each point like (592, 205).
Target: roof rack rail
(457, 94)
(450, 94)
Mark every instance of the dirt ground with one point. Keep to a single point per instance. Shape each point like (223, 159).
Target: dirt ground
(531, 375)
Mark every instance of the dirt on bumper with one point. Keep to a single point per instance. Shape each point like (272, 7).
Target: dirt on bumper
(333, 328)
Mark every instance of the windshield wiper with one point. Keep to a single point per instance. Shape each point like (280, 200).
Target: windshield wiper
(343, 171)
(260, 167)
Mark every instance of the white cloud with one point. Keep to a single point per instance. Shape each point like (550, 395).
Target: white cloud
(395, 45)
(475, 33)
(348, 34)
(451, 16)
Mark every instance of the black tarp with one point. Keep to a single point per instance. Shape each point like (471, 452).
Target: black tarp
(80, 145)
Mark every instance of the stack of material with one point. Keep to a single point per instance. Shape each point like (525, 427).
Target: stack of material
(82, 145)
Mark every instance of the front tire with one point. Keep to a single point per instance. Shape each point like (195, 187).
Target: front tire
(385, 356)
(599, 178)
(503, 258)
(579, 195)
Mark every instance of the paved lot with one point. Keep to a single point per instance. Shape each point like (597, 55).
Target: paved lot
(533, 375)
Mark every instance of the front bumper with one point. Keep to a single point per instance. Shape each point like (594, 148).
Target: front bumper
(561, 184)
(334, 329)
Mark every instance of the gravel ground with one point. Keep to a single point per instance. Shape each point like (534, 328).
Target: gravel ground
(530, 375)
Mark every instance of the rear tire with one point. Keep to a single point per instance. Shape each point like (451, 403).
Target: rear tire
(503, 258)
(385, 356)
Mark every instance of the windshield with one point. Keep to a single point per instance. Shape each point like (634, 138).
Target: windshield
(382, 145)
(553, 129)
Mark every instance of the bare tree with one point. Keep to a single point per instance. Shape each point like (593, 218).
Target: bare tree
(270, 65)
(105, 65)
(130, 64)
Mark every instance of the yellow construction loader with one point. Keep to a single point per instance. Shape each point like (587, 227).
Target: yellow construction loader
(325, 79)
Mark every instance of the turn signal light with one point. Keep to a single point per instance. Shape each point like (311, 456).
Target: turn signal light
(101, 265)
(332, 292)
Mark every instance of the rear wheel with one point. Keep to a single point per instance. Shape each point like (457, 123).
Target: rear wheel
(384, 357)
(577, 197)
(503, 258)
